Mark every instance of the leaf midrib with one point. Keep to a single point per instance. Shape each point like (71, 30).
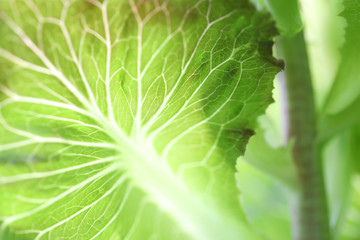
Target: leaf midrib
(198, 217)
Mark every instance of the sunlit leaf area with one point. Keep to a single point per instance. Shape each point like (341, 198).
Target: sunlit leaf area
(173, 119)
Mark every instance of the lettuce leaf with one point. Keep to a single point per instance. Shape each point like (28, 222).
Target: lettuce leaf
(124, 119)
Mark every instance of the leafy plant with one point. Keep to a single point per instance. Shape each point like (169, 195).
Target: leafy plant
(124, 119)
(131, 119)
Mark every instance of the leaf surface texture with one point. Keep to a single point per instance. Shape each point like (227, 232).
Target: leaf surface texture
(124, 119)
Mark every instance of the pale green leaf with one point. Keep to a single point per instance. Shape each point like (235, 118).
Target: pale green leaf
(265, 201)
(346, 87)
(286, 15)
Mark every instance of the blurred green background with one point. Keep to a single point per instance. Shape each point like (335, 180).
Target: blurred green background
(332, 43)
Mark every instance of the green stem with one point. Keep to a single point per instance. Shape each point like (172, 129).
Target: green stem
(311, 216)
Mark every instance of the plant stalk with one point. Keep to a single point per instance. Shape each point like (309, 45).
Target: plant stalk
(311, 221)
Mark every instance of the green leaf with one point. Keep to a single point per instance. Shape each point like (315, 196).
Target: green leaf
(265, 201)
(340, 157)
(351, 227)
(124, 119)
(286, 15)
(348, 226)
(346, 87)
(324, 33)
(333, 124)
(275, 161)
